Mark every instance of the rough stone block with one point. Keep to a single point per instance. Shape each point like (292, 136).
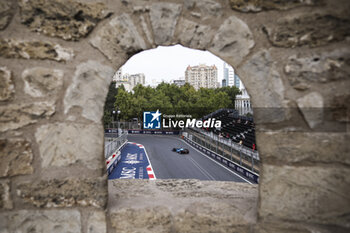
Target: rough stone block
(42, 82)
(304, 71)
(65, 193)
(58, 221)
(304, 147)
(65, 144)
(5, 200)
(16, 116)
(11, 48)
(89, 89)
(7, 88)
(341, 108)
(204, 9)
(263, 5)
(182, 206)
(316, 195)
(215, 217)
(118, 37)
(147, 220)
(16, 157)
(312, 29)
(67, 19)
(146, 29)
(233, 41)
(311, 106)
(164, 17)
(299, 227)
(97, 222)
(268, 96)
(6, 13)
(194, 35)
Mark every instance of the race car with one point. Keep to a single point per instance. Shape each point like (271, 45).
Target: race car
(181, 150)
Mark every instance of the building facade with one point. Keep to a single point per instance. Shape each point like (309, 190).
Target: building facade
(118, 75)
(229, 75)
(135, 79)
(237, 82)
(127, 80)
(202, 76)
(242, 102)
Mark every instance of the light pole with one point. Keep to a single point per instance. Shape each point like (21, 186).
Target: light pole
(115, 117)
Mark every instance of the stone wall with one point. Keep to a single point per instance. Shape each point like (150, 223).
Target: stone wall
(57, 58)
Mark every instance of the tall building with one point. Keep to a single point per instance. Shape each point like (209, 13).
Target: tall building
(123, 80)
(202, 76)
(229, 75)
(242, 102)
(127, 80)
(223, 83)
(135, 79)
(118, 75)
(237, 81)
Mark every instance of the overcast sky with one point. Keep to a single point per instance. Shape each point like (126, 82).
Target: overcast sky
(169, 62)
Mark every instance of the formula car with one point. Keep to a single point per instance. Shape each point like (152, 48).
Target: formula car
(181, 150)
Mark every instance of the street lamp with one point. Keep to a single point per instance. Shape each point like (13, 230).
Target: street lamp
(115, 116)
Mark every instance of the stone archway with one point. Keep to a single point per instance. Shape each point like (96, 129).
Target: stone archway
(53, 85)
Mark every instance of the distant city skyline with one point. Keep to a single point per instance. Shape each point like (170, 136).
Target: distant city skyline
(169, 62)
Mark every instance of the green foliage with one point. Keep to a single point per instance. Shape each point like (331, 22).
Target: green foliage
(171, 99)
(109, 104)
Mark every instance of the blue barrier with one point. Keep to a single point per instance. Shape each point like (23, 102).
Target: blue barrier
(134, 164)
(232, 165)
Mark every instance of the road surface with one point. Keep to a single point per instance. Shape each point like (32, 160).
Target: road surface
(171, 165)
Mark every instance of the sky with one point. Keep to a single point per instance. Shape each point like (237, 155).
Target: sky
(169, 62)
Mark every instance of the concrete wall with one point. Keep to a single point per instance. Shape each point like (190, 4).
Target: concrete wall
(58, 57)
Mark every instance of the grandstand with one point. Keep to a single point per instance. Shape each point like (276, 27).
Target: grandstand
(235, 127)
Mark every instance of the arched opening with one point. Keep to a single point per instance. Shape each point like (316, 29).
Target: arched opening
(176, 155)
(149, 82)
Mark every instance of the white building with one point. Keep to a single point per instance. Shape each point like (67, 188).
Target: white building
(242, 102)
(202, 76)
(128, 81)
(135, 79)
(118, 75)
(230, 77)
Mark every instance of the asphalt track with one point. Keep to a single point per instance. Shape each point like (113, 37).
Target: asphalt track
(171, 165)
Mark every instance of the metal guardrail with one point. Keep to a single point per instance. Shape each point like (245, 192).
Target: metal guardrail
(113, 143)
(234, 153)
(243, 149)
(223, 160)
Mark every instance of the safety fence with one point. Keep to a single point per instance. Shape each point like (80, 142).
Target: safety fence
(243, 149)
(114, 143)
(229, 150)
(224, 161)
(114, 148)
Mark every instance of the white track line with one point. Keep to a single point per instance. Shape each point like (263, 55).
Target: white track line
(149, 161)
(202, 170)
(216, 162)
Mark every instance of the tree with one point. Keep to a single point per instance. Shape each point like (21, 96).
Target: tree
(109, 104)
(231, 92)
(169, 99)
(124, 104)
